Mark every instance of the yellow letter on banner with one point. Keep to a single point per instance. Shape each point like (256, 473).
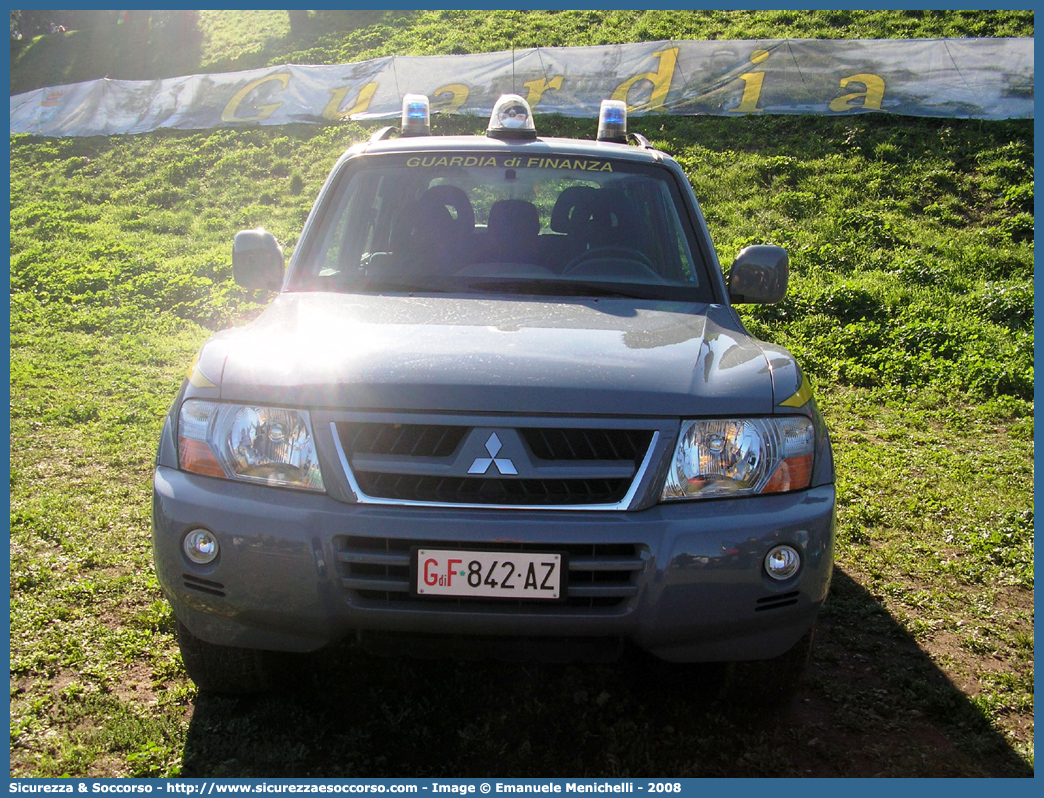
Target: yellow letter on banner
(458, 96)
(538, 87)
(872, 97)
(660, 79)
(751, 94)
(263, 111)
(362, 102)
(752, 83)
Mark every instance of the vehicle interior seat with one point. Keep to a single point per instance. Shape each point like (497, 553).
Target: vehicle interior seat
(512, 231)
(569, 221)
(434, 234)
(611, 221)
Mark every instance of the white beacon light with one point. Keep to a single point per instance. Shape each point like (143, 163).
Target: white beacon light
(416, 115)
(612, 121)
(512, 118)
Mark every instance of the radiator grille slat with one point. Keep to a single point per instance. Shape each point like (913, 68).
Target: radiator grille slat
(606, 564)
(603, 591)
(365, 557)
(490, 490)
(373, 583)
(586, 444)
(413, 440)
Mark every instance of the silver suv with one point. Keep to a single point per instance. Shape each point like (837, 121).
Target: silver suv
(501, 396)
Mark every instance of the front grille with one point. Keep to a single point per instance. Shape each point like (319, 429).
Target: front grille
(490, 490)
(599, 575)
(409, 440)
(587, 444)
(436, 463)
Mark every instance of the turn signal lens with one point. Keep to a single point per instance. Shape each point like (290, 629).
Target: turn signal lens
(792, 474)
(198, 457)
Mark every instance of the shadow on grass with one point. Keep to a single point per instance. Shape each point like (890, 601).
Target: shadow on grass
(164, 44)
(873, 704)
(320, 26)
(152, 45)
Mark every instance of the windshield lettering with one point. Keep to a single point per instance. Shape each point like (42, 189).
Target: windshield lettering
(450, 161)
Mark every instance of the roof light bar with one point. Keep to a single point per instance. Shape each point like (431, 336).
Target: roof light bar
(416, 115)
(512, 118)
(612, 121)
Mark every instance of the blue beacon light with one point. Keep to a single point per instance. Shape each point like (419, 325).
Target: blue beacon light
(416, 115)
(612, 121)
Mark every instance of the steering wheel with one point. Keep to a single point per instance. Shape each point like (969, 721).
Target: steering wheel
(609, 252)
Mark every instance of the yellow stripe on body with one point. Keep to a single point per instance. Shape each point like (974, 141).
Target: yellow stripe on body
(196, 377)
(801, 398)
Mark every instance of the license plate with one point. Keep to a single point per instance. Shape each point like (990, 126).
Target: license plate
(488, 574)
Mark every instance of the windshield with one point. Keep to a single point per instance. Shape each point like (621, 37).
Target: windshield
(459, 222)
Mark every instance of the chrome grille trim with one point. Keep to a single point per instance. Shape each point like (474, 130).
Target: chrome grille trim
(623, 504)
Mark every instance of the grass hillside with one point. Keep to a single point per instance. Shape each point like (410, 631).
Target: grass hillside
(911, 307)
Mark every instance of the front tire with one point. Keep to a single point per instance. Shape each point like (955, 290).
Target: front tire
(226, 669)
(771, 683)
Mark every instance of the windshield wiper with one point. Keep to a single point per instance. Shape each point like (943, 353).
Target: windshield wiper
(396, 286)
(556, 287)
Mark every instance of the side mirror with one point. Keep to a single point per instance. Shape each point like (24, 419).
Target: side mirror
(257, 260)
(759, 275)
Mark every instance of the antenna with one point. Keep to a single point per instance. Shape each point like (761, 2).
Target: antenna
(512, 67)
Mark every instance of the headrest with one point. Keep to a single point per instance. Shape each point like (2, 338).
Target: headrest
(514, 218)
(428, 218)
(452, 197)
(572, 209)
(610, 216)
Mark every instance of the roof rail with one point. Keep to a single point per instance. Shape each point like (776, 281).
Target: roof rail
(384, 133)
(640, 140)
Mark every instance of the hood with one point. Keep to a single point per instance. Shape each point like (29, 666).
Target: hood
(507, 355)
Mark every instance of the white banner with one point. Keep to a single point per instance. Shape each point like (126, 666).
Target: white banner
(961, 78)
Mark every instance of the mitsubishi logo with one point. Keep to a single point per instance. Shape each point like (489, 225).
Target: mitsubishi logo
(503, 464)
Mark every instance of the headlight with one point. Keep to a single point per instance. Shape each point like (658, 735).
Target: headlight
(736, 457)
(266, 445)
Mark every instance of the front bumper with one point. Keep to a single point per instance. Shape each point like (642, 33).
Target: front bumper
(700, 593)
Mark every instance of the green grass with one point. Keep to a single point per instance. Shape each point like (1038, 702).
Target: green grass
(437, 32)
(232, 37)
(911, 307)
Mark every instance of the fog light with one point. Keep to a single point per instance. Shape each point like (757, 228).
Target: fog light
(200, 546)
(782, 562)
